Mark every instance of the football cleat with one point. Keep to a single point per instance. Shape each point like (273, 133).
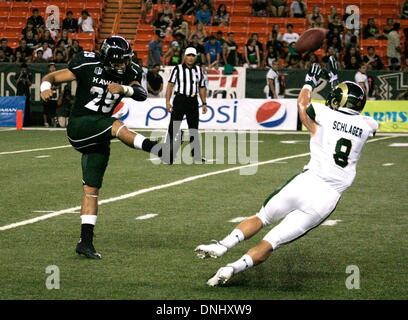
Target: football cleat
(213, 250)
(88, 250)
(221, 277)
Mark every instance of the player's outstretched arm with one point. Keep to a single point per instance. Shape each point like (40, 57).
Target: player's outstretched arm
(64, 75)
(305, 96)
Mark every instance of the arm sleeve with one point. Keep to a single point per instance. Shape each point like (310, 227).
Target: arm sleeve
(202, 83)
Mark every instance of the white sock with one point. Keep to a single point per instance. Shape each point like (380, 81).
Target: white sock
(138, 142)
(243, 263)
(88, 219)
(235, 237)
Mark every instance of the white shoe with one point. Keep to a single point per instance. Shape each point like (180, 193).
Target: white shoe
(221, 277)
(213, 250)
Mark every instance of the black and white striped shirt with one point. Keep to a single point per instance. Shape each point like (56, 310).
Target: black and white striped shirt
(187, 80)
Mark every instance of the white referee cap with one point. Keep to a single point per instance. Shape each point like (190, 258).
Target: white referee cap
(190, 50)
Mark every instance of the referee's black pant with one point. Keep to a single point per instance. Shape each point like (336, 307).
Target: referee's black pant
(188, 106)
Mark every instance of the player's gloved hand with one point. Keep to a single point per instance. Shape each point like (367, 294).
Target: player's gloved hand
(333, 71)
(313, 75)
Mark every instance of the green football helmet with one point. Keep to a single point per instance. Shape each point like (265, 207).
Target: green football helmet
(347, 94)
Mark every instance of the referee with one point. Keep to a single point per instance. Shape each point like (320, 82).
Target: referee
(187, 80)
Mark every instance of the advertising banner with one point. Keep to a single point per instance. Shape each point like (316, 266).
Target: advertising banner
(228, 114)
(8, 110)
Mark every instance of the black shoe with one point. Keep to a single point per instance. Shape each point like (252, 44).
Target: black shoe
(88, 250)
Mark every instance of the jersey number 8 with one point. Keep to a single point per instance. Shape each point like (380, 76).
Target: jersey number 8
(343, 149)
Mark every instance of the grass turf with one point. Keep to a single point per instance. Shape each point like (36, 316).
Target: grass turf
(154, 259)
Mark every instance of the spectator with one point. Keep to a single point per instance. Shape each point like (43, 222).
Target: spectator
(221, 18)
(30, 40)
(255, 37)
(289, 36)
(176, 55)
(36, 20)
(271, 55)
(147, 12)
(8, 52)
(275, 44)
(64, 40)
(154, 82)
(361, 78)
(230, 50)
(220, 37)
(277, 8)
(260, 8)
(293, 62)
(334, 39)
(75, 48)
(47, 38)
(181, 40)
(317, 22)
(309, 60)
(394, 64)
(53, 24)
(70, 23)
(18, 58)
(405, 67)
(187, 7)
(352, 59)
(272, 79)
(331, 51)
(200, 33)
(156, 49)
(393, 45)
(162, 24)
(59, 56)
(47, 51)
(213, 52)
(173, 48)
(251, 54)
(311, 18)
(336, 23)
(29, 27)
(25, 52)
(332, 15)
(168, 11)
(3, 58)
(178, 22)
(279, 35)
(85, 22)
(203, 15)
(199, 48)
(389, 26)
(404, 10)
(372, 60)
(38, 56)
(23, 84)
(371, 30)
(64, 106)
(350, 40)
(292, 54)
(298, 9)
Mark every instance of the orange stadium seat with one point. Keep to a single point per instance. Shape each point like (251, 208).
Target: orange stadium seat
(240, 21)
(258, 22)
(244, 11)
(240, 31)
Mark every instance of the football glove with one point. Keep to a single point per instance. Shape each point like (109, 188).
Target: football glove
(313, 75)
(333, 72)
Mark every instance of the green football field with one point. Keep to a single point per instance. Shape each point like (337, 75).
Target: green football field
(153, 258)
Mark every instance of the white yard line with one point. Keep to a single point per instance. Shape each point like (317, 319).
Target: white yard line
(398, 145)
(159, 187)
(237, 219)
(388, 164)
(146, 216)
(331, 223)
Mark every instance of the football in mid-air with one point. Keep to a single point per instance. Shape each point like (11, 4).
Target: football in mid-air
(310, 40)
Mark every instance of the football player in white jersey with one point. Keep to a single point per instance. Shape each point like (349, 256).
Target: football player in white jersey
(338, 134)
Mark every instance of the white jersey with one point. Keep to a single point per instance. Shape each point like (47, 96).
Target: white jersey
(337, 144)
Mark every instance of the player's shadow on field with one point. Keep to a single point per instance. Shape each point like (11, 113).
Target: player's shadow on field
(291, 271)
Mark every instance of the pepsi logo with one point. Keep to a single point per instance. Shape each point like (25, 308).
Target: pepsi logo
(271, 114)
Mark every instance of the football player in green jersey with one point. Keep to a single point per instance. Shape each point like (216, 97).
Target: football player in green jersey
(103, 80)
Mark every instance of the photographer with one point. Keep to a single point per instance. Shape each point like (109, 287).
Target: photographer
(50, 106)
(64, 105)
(23, 84)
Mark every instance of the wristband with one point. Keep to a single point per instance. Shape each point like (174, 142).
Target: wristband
(128, 91)
(45, 85)
(308, 87)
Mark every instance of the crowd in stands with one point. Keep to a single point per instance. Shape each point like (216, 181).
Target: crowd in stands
(220, 48)
(44, 41)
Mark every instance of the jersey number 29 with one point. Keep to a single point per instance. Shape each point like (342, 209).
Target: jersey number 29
(106, 100)
(343, 149)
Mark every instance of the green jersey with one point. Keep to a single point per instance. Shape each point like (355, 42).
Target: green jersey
(92, 97)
